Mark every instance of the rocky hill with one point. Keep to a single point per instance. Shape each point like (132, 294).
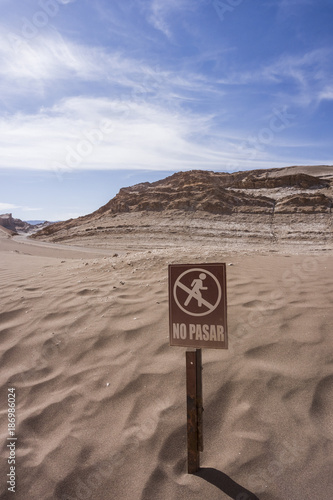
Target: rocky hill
(15, 226)
(251, 195)
(221, 193)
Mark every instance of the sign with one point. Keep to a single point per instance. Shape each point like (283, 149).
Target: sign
(198, 305)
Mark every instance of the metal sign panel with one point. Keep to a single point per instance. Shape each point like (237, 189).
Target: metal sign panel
(198, 305)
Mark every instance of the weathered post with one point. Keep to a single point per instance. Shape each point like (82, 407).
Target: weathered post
(199, 398)
(193, 456)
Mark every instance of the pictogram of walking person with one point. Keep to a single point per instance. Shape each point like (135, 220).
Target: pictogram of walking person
(196, 289)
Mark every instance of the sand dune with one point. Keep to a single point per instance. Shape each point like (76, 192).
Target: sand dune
(101, 395)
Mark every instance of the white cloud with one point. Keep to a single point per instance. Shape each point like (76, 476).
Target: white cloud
(4, 207)
(304, 77)
(35, 66)
(300, 68)
(149, 125)
(326, 94)
(82, 133)
(31, 209)
(161, 10)
(45, 58)
(8, 207)
(104, 134)
(157, 19)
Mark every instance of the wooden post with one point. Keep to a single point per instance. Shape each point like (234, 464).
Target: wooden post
(194, 409)
(199, 399)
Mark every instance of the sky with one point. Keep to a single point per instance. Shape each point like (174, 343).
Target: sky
(96, 95)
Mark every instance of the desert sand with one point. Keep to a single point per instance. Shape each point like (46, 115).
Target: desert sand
(100, 395)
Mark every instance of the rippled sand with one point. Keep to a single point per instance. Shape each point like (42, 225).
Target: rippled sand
(101, 396)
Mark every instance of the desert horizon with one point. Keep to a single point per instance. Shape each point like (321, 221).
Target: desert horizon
(100, 395)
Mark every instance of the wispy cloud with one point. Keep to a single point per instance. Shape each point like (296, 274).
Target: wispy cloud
(161, 12)
(326, 94)
(297, 79)
(309, 73)
(30, 67)
(191, 111)
(9, 207)
(106, 134)
(46, 57)
(31, 209)
(5, 207)
(158, 18)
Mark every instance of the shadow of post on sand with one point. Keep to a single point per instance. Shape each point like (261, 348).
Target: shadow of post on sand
(225, 484)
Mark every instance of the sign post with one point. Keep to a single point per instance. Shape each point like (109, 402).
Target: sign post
(197, 319)
(193, 445)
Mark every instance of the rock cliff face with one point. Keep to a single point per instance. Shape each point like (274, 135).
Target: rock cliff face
(292, 190)
(19, 226)
(222, 193)
(15, 225)
(304, 203)
(189, 191)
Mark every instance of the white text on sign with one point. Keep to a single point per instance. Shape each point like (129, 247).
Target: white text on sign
(198, 332)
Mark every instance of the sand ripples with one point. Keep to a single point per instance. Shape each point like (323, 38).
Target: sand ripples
(101, 396)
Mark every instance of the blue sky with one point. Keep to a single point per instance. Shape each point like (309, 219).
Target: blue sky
(97, 95)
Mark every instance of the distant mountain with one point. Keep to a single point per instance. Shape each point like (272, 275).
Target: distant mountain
(35, 222)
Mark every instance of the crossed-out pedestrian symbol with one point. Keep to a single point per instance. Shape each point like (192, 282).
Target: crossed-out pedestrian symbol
(194, 299)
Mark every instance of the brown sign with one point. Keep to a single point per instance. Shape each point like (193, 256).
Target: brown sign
(198, 305)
